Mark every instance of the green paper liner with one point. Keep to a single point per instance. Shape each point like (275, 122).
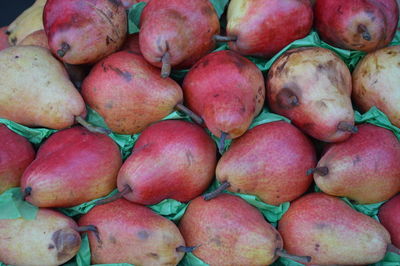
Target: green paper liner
(12, 206)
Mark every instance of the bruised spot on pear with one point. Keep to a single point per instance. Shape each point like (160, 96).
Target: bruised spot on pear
(65, 242)
(287, 99)
(143, 234)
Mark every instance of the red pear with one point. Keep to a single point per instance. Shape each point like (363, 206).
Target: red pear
(4, 38)
(16, 153)
(129, 3)
(131, 233)
(172, 159)
(364, 25)
(177, 32)
(72, 167)
(226, 90)
(269, 161)
(229, 231)
(364, 168)
(129, 93)
(84, 31)
(389, 216)
(313, 94)
(263, 28)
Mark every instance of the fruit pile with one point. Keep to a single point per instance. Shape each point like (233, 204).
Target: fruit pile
(200, 132)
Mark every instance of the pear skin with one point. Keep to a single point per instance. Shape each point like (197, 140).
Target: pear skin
(172, 159)
(16, 154)
(331, 232)
(389, 216)
(364, 168)
(227, 90)
(132, 233)
(50, 239)
(129, 93)
(376, 82)
(72, 167)
(3, 38)
(35, 89)
(269, 161)
(37, 38)
(312, 86)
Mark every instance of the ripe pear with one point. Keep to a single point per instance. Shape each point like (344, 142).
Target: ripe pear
(269, 161)
(35, 89)
(131, 233)
(84, 31)
(177, 33)
(37, 38)
(364, 168)
(356, 25)
(50, 239)
(29, 21)
(73, 166)
(331, 232)
(376, 82)
(171, 159)
(389, 216)
(229, 231)
(254, 25)
(129, 93)
(313, 93)
(16, 153)
(227, 90)
(3, 38)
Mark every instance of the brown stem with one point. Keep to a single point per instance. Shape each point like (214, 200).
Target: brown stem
(322, 171)
(91, 228)
(393, 248)
(63, 50)
(347, 126)
(186, 249)
(217, 192)
(219, 38)
(221, 142)
(166, 65)
(91, 127)
(196, 118)
(363, 30)
(127, 189)
(27, 192)
(301, 259)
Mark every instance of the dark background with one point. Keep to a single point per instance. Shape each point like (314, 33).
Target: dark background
(10, 9)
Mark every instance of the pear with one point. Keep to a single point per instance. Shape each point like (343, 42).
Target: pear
(129, 3)
(3, 38)
(84, 31)
(73, 166)
(253, 26)
(227, 90)
(364, 168)
(313, 93)
(129, 93)
(269, 161)
(177, 33)
(35, 89)
(389, 216)
(356, 25)
(131, 233)
(376, 82)
(171, 159)
(16, 153)
(229, 231)
(37, 38)
(27, 22)
(50, 239)
(327, 229)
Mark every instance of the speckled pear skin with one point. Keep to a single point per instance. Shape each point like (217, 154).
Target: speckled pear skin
(389, 216)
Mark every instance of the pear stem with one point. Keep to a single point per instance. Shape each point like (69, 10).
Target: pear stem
(392, 248)
(166, 65)
(27, 192)
(127, 189)
(91, 127)
(196, 118)
(364, 32)
(221, 142)
(91, 228)
(301, 259)
(64, 49)
(186, 249)
(220, 38)
(217, 192)
(322, 171)
(346, 126)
